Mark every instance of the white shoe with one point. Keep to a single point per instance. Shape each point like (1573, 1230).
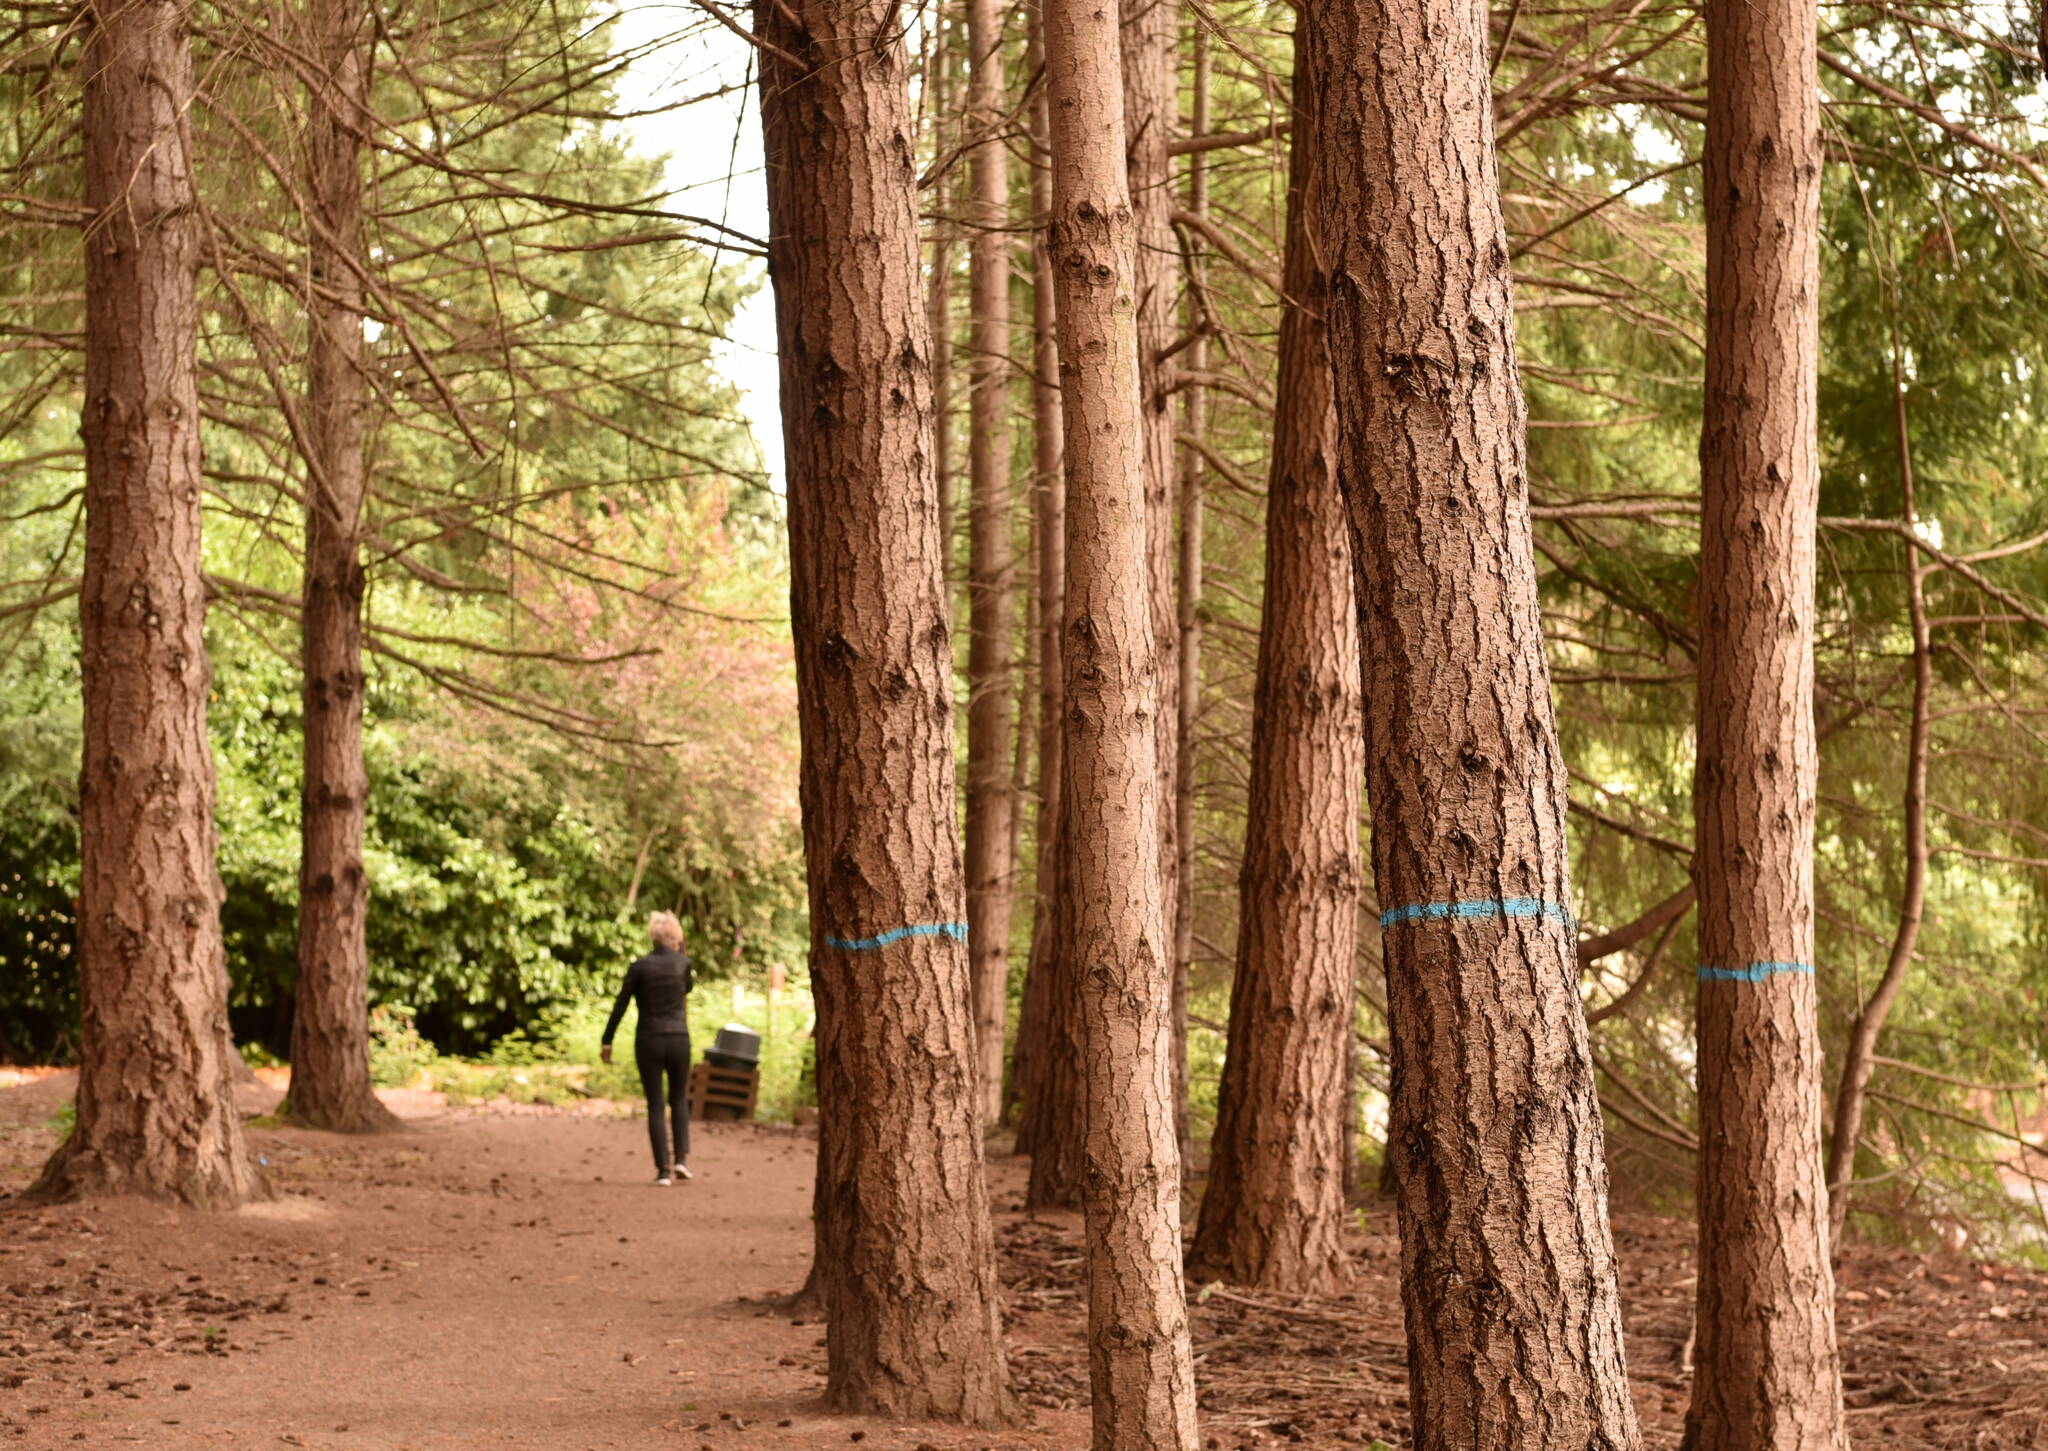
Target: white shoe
(683, 1172)
(663, 1182)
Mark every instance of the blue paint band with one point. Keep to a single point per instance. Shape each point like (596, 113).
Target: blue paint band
(955, 930)
(1755, 972)
(1467, 911)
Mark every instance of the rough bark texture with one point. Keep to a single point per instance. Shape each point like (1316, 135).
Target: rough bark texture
(1766, 1374)
(1508, 1275)
(1273, 1213)
(1151, 110)
(1188, 615)
(939, 307)
(905, 1250)
(989, 800)
(155, 1105)
(330, 1085)
(1049, 1126)
(1140, 1369)
(1053, 1127)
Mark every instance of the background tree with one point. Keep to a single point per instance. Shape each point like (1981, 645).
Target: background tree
(1116, 943)
(1150, 36)
(1048, 503)
(330, 1085)
(1273, 1212)
(990, 802)
(1767, 1370)
(536, 533)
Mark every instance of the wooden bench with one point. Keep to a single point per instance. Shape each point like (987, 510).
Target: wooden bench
(722, 1093)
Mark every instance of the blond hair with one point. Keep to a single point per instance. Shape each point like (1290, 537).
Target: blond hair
(666, 931)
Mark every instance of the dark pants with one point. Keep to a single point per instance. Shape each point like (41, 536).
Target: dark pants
(665, 1055)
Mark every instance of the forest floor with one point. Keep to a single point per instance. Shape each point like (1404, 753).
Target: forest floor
(508, 1278)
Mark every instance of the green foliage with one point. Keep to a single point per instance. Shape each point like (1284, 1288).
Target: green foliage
(399, 1056)
(578, 687)
(559, 1060)
(38, 879)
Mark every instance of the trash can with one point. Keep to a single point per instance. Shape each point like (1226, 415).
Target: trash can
(735, 1047)
(723, 1086)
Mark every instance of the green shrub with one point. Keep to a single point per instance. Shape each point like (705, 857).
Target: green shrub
(258, 1056)
(399, 1056)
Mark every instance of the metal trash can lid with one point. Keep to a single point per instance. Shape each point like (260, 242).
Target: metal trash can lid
(739, 1040)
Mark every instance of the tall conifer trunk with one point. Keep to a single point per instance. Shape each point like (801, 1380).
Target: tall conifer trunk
(330, 1086)
(1507, 1273)
(1188, 612)
(155, 1111)
(1049, 496)
(905, 1253)
(1149, 35)
(989, 800)
(1273, 1213)
(1140, 1368)
(1767, 1377)
(939, 295)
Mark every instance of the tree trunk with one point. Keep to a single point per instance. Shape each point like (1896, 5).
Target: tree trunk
(904, 1243)
(1273, 1214)
(1151, 113)
(1347, 1126)
(939, 310)
(989, 802)
(1188, 613)
(1766, 1374)
(1860, 1057)
(1508, 1274)
(155, 1106)
(1140, 1367)
(330, 1086)
(1048, 1122)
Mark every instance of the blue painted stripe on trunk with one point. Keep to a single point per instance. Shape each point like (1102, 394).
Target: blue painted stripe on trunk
(955, 930)
(1467, 911)
(1755, 972)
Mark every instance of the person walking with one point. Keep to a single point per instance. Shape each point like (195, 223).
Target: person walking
(660, 984)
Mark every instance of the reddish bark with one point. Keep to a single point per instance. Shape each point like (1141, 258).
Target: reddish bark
(155, 1106)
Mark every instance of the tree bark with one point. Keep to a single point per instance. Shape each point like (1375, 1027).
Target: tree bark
(155, 1111)
(1188, 613)
(939, 311)
(1508, 1274)
(1273, 1213)
(989, 800)
(330, 1085)
(904, 1243)
(1140, 1367)
(1151, 112)
(1766, 1373)
(1859, 1058)
(1048, 1122)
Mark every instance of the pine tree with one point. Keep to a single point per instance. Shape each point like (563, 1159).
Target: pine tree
(155, 1106)
(1149, 35)
(1508, 1274)
(1767, 1378)
(1113, 928)
(330, 1085)
(990, 803)
(1273, 1211)
(905, 1253)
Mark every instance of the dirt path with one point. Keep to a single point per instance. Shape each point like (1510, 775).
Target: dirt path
(482, 1280)
(509, 1279)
